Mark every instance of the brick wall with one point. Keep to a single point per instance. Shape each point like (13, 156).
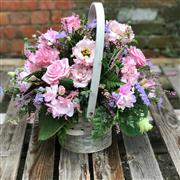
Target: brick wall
(155, 22)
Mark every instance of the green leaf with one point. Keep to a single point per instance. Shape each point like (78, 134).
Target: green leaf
(67, 83)
(49, 126)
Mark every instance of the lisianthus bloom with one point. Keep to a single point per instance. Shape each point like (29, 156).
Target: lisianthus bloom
(148, 83)
(117, 31)
(71, 23)
(125, 97)
(129, 71)
(81, 75)
(61, 106)
(51, 93)
(84, 52)
(58, 70)
(50, 37)
(43, 57)
(137, 55)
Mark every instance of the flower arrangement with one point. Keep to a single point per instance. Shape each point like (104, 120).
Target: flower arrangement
(57, 73)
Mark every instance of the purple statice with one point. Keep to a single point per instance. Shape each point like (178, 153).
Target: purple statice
(61, 35)
(38, 100)
(143, 94)
(92, 24)
(111, 103)
(160, 102)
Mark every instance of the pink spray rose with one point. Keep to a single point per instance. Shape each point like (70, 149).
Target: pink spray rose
(126, 97)
(71, 23)
(51, 93)
(58, 70)
(137, 55)
(81, 75)
(84, 52)
(61, 106)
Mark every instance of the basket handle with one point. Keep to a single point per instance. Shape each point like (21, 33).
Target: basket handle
(96, 11)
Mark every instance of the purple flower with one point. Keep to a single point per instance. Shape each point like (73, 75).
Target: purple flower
(38, 99)
(61, 35)
(143, 94)
(91, 25)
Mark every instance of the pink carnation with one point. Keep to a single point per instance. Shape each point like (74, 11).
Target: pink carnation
(71, 23)
(118, 31)
(51, 93)
(137, 55)
(126, 97)
(84, 52)
(81, 75)
(61, 106)
(56, 71)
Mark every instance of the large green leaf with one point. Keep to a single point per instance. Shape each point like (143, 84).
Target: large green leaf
(67, 83)
(49, 126)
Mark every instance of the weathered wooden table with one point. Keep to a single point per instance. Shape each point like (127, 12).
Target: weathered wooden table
(23, 157)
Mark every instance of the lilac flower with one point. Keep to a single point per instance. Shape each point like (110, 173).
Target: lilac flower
(38, 100)
(160, 102)
(91, 25)
(143, 94)
(61, 35)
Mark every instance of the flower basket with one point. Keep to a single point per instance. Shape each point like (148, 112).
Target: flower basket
(82, 80)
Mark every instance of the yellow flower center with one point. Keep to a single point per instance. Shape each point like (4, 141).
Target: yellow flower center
(86, 52)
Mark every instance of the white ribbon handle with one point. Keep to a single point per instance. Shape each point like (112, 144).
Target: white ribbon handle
(96, 12)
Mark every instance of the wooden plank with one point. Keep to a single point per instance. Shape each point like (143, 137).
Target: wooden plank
(2, 118)
(141, 158)
(169, 127)
(163, 60)
(40, 158)
(173, 74)
(107, 164)
(11, 141)
(73, 166)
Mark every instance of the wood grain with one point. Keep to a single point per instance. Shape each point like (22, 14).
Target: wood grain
(11, 141)
(107, 164)
(39, 163)
(174, 79)
(169, 127)
(73, 166)
(141, 158)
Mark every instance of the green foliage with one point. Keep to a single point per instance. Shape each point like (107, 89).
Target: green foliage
(49, 126)
(102, 121)
(67, 83)
(129, 118)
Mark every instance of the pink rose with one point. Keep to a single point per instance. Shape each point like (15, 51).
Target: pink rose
(58, 70)
(71, 23)
(61, 106)
(81, 75)
(51, 93)
(137, 55)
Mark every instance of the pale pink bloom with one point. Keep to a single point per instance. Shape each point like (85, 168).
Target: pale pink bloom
(23, 86)
(118, 31)
(61, 90)
(44, 56)
(72, 95)
(51, 93)
(71, 23)
(137, 55)
(149, 83)
(49, 37)
(126, 97)
(129, 71)
(84, 52)
(81, 75)
(30, 67)
(61, 106)
(58, 70)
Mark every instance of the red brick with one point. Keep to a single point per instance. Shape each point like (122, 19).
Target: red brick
(3, 46)
(56, 16)
(9, 32)
(19, 18)
(1, 32)
(56, 27)
(40, 17)
(4, 18)
(17, 45)
(18, 5)
(64, 4)
(27, 31)
(46, 4)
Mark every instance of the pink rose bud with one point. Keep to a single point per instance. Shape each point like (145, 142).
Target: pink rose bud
(61, 90)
